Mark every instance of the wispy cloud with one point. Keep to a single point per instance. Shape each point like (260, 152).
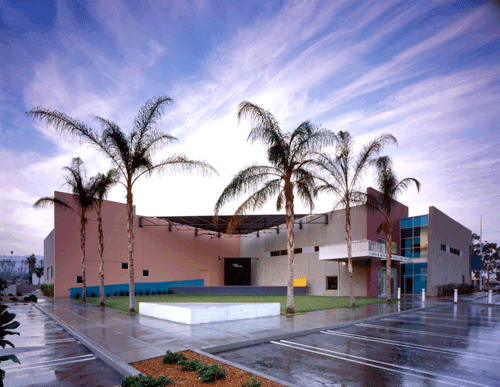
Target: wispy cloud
(366, 67)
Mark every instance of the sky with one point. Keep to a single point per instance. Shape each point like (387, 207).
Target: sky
(427, 72)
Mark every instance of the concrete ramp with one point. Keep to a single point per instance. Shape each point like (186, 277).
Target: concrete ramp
(200, 313)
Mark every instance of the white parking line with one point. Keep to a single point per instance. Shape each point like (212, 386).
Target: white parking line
(442, 318)
(49, 362)
(450, 315)
(425, 323)
(54, 364)
(414, 346)
(383, 365)
(457, 337)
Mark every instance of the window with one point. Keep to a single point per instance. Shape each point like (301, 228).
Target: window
(421, 220)
(316, 249)
(284, 252)
(406, 233)
(406, 223)
(331, 283)
(145, 273)
(79, 279)
(443, 247)
(124, 265)
(380, 240)
(298, 250)
(275, 253)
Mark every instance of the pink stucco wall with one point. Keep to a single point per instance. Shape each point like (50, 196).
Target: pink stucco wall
(374, 219)
(168, 255)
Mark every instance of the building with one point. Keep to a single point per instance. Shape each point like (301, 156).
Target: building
(427, 251)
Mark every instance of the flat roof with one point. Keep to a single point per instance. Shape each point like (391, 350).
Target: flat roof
(249, 224)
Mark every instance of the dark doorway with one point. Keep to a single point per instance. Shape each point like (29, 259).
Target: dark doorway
(237, 271)
(409, 285)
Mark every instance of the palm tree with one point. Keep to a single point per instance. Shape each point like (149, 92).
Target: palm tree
(84, 191)
(289, 156)
(31, 265)
(104, 182)
(389, 187)
(39, 273)
(343, 172)
(132, 155)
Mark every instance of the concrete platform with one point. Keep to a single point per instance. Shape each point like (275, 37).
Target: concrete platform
(200, 313)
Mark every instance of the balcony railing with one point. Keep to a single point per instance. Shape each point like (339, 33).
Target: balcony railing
(360, 249)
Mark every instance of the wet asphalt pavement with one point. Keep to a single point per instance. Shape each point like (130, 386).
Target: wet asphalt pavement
(452, 345)
(50, 356)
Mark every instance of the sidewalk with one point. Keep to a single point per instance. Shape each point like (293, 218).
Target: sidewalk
(135, 338)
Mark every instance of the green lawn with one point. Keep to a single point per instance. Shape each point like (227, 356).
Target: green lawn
(302, 303)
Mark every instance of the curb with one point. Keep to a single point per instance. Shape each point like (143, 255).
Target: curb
(107, 357)
(291, 335)
(244, 368)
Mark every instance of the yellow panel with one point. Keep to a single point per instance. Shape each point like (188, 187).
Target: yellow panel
(299, 282)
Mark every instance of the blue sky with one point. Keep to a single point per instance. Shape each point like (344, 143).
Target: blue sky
(427, 72)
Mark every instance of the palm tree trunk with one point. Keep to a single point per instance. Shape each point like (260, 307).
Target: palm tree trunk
(388, 240)
(290, 218)
(130, 234)
(83, 220)
(101, 257)
(349, 248)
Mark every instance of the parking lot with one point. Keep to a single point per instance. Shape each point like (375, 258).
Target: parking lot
(451, 345)
(50, 356)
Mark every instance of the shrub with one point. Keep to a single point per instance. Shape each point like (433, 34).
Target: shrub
(145, 381)
(116, 294)
(252, 383)
(10, 294)
(77, 295)
(47, 290)
(107, 295)
(127, 294)
(193, 365)
(122, 293)
(147, 293)
(13, 299)
(173, 358)
(211, 373)
(152, 292)
(19, 294)
(92, 294)
(170, 291)
(5, 324)
(31, 297)
(140, 292)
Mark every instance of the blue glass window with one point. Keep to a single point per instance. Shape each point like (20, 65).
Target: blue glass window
(405, 223)
(420, 268)
(406, 233)
(421, 220)
(406, 253)
(420, 282)
(416, 231)
(416, 254)
(409, 270)
(416, 242)
(406, 243)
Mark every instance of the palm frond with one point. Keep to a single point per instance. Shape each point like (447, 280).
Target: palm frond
(253, 203)
(265, 127)
(105, 182)
(50, 201)
(247, 180)
(148, 117)
(178, 163)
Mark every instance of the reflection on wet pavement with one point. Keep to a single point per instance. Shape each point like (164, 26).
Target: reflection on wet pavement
(50, 356)
(456, 345)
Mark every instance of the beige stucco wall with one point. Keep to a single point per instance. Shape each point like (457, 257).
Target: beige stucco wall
(168, 255)
(444, 267)
(268, 271)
